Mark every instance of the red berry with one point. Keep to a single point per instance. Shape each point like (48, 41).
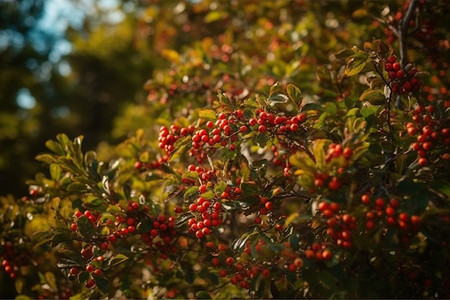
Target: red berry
(396, 66)
(326, 255)
(334, 184)
(269, 205)
(392, 59)
(229, 260)
(423, 161)
(380, 202)
(89, 268)
(365, 199)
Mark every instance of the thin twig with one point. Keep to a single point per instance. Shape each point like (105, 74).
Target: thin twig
(403, 31)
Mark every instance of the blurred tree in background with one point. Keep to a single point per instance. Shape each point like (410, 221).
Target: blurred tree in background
(72, 72)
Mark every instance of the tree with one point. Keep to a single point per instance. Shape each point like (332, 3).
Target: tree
(281, 155)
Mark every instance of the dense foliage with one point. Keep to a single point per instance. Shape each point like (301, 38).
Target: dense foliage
(291, 149)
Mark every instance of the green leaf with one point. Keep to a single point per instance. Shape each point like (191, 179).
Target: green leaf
(249, 189)
(190, 175)
(55, 147)
(19, 285)
(220, 188)
(207, 114)
(223, 99)
(61, 237)
(178, 153)
(294, 94)
(55, 172)
(215, 15)
(330, 108)
(76, 187)
(144, 226)
(46, 158)
(171, 55)
(63, 139)
(262, 139)
(102, 284)
(51, 280)
(116, 260)
(168, 169)
(83, 277)
(193, 190)
(356, 63)
(205, 274)
(367, 111)
(327, 280)
(202, 295)
(310, 106)
(373, 96)
(208, 195)
(151, 176)
(85, 227)
(144, 157)
(344, 53)
(278, 97)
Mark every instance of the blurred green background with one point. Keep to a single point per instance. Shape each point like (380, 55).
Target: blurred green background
(66, 66)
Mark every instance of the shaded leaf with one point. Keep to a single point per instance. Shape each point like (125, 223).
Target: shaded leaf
(356, 63)
(294, 94)
(85, 227)
(116, 260)
(102, 284)
(193, 190)
(373, 96)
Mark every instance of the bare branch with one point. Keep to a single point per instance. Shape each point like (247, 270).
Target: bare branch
(403, 31)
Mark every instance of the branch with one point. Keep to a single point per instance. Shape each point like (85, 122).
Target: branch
(403, 30)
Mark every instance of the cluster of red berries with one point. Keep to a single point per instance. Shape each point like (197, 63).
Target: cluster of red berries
(321, 180)
(430, 134)
(9, 268)
(162, 235)
(334, 151)
(318, 252)
(280, 124)
(167, 138)
(339, 226)
(389, 212)
(265, 207)
(151, 165)
(402, 80)
(207, 215)
(282, 159)
(238, 273)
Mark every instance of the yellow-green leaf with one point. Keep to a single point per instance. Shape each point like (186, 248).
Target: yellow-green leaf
(207, 114)
(373, 96)
(356, 63)
(50, 279)
(294, 94)
(171, 55)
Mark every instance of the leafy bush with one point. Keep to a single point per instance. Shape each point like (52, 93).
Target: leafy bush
(278, 170)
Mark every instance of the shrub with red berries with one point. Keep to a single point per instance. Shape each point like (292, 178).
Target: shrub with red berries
(263, 175)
